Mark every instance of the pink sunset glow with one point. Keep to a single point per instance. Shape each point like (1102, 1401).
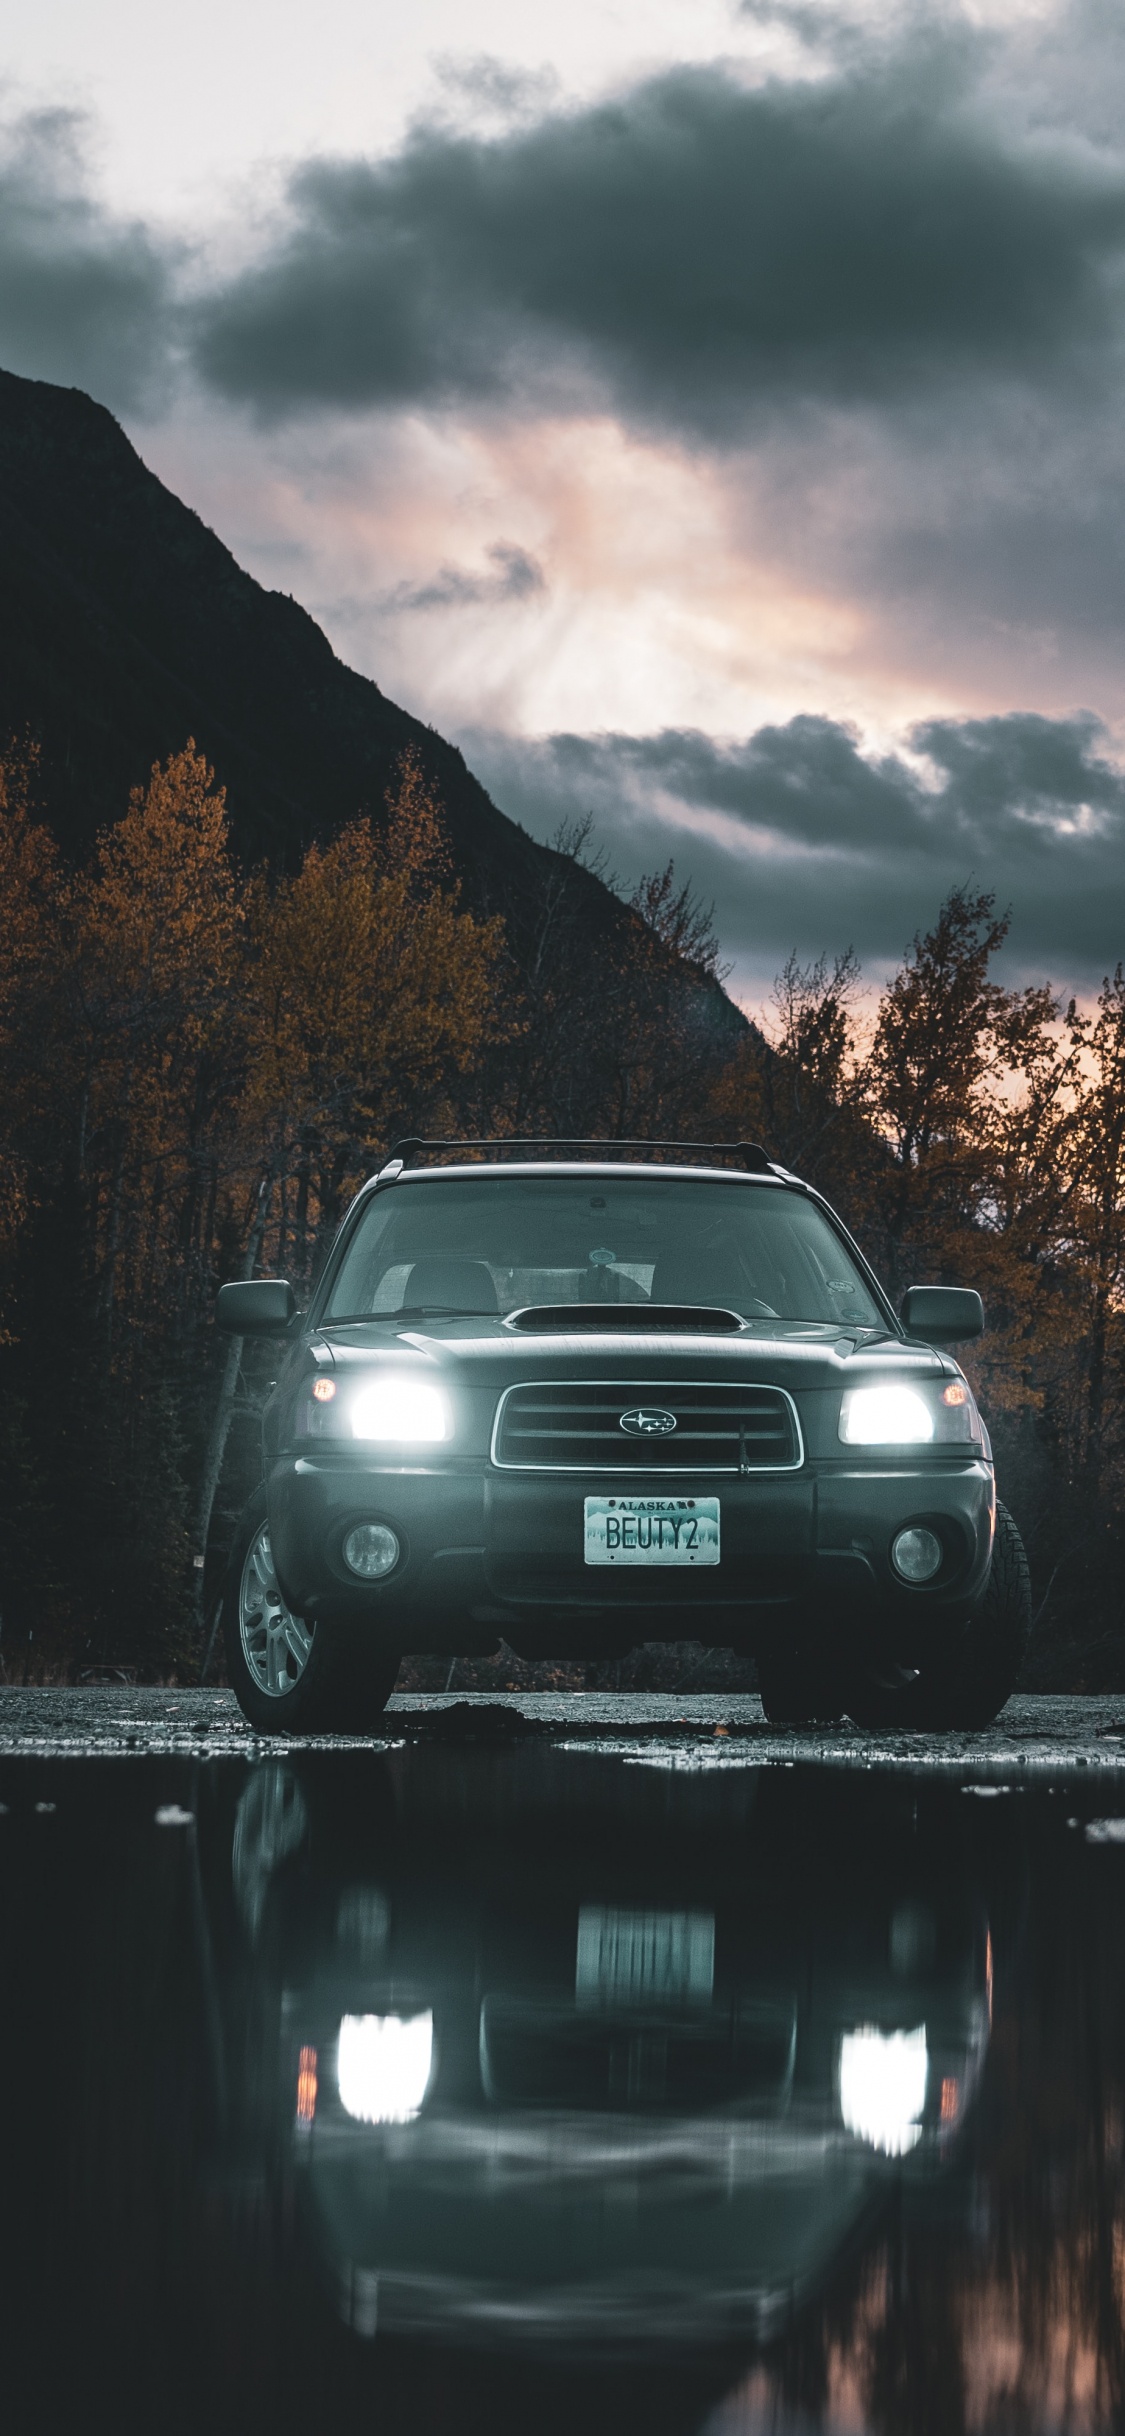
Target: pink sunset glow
(711, 425)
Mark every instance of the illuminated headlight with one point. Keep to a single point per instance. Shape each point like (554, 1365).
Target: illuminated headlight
(883, 2087)
(383, 2065)
(408, 1410)
(890, 1415)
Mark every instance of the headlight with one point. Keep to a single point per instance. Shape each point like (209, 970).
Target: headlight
(885, 1416)
(383, 2065)
(893, 1414)
(409, 1410)
(883, 2087)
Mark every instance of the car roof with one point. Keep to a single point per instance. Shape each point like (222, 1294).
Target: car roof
(571, 1168)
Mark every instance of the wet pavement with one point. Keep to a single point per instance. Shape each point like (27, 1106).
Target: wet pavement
(575, 2064)
(1040, 1736)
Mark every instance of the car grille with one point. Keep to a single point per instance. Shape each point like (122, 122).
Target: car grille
(576, 1427)
(560, 2056)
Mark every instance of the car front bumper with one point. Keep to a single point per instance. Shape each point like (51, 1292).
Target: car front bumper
(488, 1553)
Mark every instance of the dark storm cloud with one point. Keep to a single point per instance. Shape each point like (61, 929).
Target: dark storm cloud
(516, 576)
(696, 248)
(827, 846)
(84, 298)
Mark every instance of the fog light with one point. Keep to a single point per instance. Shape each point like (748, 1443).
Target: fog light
(371, 1550)
(917, 1555)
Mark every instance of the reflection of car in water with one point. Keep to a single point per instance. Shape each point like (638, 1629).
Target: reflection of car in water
(563, 2051)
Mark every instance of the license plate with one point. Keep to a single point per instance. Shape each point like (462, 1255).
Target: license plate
(652, 1530)
(630, 1958)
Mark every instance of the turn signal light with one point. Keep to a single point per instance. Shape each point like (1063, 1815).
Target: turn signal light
(306, 2085)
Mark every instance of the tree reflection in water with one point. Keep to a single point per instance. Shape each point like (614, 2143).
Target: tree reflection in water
(588, 2164)
(1002, 2303)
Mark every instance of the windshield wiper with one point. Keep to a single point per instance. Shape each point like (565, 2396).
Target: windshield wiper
(414, 1311)
(410, 1311)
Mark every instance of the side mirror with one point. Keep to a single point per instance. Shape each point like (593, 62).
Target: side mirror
(942, 1315)
(255, 1306)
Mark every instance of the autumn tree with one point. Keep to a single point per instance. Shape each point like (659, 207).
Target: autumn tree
(369, 995)
(671, 1035)
(33, 1056)
(796, 1083)
(1096, 1217)
(33, 1032)
(156, 925)
(950, 1041)
(620, 1026)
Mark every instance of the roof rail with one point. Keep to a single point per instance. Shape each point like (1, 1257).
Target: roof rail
(407, 1153)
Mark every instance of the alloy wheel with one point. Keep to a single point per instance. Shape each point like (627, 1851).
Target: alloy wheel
(276, 1644)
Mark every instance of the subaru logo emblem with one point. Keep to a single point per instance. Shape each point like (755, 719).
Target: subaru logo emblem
(648, 1421)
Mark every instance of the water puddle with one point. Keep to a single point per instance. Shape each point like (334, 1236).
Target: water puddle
(460, 2086)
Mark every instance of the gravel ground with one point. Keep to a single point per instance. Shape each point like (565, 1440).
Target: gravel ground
(1036, 1737)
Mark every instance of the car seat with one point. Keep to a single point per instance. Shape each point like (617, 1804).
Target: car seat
(463, 1285)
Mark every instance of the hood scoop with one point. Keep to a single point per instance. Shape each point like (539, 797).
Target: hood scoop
(623, 1319)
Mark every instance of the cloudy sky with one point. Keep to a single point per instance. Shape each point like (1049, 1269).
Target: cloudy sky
(709, 414)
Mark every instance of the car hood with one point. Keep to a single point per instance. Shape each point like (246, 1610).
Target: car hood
(491, 1352)
(546, 2229)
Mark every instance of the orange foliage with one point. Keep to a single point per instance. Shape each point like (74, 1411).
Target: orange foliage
(197, 1067)
(367, 994)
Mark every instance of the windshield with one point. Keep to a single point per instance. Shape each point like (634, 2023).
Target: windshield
(502, 1242)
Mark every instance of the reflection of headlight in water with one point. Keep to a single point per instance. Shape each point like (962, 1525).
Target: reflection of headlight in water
(383, 2065)
(883, 2087)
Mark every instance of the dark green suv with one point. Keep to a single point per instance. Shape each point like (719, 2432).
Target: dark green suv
(585, 1401)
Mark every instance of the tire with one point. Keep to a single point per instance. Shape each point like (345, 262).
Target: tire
(290, 1677)
(969, 1689)
(992, 1654)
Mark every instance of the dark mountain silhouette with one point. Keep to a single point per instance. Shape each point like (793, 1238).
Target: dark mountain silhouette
(126, 626)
